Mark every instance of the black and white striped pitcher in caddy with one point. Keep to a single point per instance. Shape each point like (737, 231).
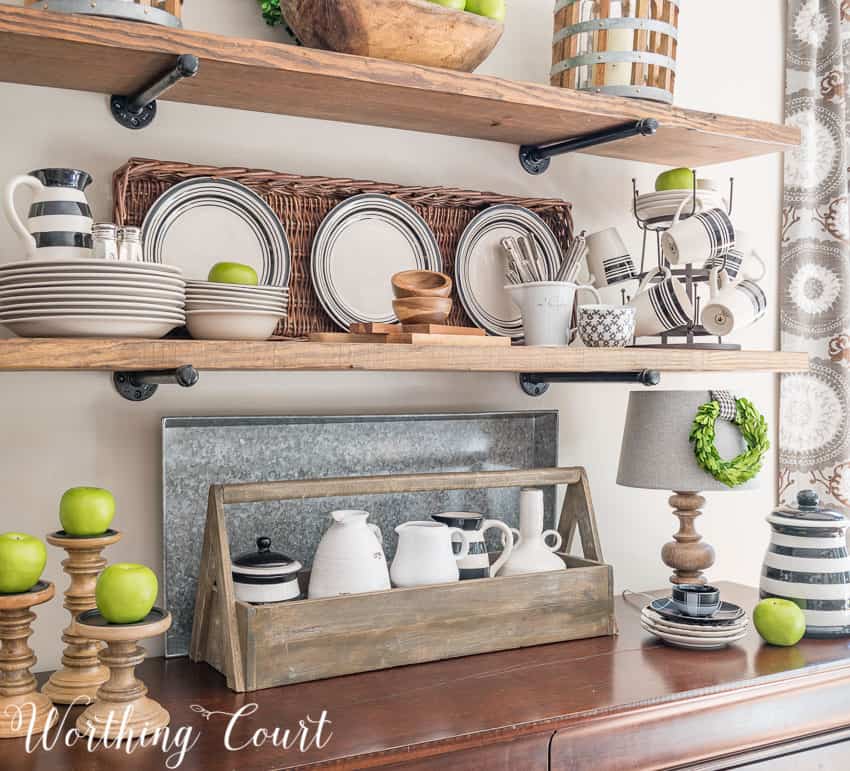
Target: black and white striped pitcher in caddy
(59, 223)
(807, 563)
(477, 562)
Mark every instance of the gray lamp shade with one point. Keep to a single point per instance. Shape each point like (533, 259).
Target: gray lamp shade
(656, 453)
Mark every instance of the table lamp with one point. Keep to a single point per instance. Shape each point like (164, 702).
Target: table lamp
(656, 454)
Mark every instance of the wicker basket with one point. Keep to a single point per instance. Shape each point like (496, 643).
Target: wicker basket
(617, 47)
(166, 13)
(303, 202)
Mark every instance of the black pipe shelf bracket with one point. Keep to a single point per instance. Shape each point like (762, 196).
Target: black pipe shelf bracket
(537, 384)
(535, 159)
(137, 111)
(140, 386)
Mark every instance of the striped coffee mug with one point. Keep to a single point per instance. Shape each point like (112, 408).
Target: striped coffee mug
(733, 305)
(59, 222)
(741, 261)
(661, 307)
(704, 236)
(608, 259)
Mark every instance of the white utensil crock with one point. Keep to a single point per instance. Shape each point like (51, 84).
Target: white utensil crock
(424, 555)
(350, 558)
(547, 309)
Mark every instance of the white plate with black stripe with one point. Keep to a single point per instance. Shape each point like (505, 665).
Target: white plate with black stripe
(202, 221)
(359, 246)
(480, 264)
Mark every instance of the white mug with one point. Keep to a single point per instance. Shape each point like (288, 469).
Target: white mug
(742, 259)
(621, 293)
(661, 307)
(547, 310)
(702, 237)
(733, 305)
(608, 259)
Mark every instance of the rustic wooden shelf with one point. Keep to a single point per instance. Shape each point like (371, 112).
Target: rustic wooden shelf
(114, 57)
(134, 355)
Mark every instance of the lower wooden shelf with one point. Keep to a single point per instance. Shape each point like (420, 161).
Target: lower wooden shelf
(134, 355)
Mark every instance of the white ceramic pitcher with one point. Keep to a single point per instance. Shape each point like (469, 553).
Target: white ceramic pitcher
(547, 309)
(424, 555)
(532, 554)
(350, 558)
(59, 223)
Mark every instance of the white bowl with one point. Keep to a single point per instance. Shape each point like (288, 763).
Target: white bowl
(232, 324)
(225, 305)
(91, 326)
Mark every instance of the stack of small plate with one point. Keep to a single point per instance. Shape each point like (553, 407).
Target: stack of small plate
(91, 298)
(662, 207)
(726, 626)
(218, 311)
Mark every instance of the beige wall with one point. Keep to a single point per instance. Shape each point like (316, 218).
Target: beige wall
(60, 430)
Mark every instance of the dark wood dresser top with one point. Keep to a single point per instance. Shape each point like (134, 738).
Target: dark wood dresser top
(549, 704)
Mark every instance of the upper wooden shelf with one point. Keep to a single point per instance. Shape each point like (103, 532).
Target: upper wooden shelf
(134, 355)
(113, 57)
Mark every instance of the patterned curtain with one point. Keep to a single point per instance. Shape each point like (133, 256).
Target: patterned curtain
(814, 433)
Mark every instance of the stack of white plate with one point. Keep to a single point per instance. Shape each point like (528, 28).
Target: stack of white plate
(662, 207)
(662, 619)
(218, 311)
(91, 298)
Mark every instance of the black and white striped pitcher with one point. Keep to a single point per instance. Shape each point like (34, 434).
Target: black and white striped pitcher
(477, 562)
(807, 563)
(59, 223)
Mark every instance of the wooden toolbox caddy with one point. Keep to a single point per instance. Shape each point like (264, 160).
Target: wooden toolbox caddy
(263, 646)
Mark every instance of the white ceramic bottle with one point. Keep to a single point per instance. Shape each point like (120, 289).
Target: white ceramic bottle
(531, 553)
(350, 558)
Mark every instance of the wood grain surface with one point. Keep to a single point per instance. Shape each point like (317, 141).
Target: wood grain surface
(114, 57)
(599, 698)
(126, 354)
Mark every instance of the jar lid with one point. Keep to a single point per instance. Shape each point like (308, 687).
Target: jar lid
(266, 560)
(808, 508)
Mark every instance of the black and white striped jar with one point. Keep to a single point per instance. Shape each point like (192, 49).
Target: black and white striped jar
(59, 225)
(807, 563)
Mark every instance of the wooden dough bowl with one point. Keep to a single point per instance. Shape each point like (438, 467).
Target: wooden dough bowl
(413, 31)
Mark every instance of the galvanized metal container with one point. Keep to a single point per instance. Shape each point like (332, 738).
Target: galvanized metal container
(616, 47)
(166, 13)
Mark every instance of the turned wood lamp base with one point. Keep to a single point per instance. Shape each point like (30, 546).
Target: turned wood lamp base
(21, 705)
(81, 673)
(122, 693)
(687, 553)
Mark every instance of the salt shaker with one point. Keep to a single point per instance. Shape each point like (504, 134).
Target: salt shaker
(130, 244)
(104, 241)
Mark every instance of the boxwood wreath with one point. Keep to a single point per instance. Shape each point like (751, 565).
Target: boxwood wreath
(753, 429)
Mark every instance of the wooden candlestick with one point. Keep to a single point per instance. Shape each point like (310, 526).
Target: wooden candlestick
(21, 705)
(687, 553)
(81, 674)
(122, 692)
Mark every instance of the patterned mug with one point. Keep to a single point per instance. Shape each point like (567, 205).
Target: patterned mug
(606, 326)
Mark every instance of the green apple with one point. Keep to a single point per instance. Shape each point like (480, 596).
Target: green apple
(493, 9)
(86, 510)
(22, 560)
(675, 179)
(779, 622)
(233, 273)
(125, 593)
(457, 5)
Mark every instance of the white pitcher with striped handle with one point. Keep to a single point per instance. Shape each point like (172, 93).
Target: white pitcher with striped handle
(807, 563)
(59, 223)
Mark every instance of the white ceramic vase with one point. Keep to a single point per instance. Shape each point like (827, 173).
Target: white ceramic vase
(350, 558)
(424, 555)
(531, 553)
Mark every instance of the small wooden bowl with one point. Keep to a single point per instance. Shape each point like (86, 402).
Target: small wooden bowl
(421, 283)
(422, 310)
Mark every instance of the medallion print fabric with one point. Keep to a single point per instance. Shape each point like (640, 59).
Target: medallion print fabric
(814, 431)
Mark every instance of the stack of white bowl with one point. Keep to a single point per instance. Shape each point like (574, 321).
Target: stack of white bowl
(91, 298)
(218, 311)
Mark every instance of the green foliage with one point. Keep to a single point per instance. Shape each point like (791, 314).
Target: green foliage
(271, 12)
(753, 428)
